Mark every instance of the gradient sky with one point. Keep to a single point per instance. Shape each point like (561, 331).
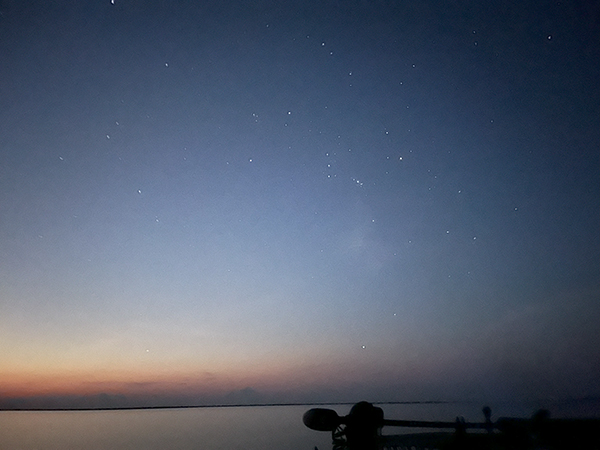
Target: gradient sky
(317, 200)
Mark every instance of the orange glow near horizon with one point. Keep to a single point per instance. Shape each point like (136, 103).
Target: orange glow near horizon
(263, 378)
(63, 374)
(81, 383)
(111, 382)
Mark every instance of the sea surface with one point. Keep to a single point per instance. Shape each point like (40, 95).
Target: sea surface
(231, 428)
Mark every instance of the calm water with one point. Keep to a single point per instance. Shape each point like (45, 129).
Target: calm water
(248, 428)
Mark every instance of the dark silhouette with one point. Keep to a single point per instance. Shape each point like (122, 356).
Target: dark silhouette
(363, 425)
(361, 430)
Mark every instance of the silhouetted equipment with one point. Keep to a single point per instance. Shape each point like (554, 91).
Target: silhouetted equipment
(357, 430)
(361, 430)
(321, 419)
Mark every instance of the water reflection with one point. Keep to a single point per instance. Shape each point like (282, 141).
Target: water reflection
(199, 428)
(248, 428)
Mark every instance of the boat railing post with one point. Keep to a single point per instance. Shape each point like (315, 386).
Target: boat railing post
(487, 414)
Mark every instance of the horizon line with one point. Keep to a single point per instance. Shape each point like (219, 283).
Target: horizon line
(250, 405)
(226, 405)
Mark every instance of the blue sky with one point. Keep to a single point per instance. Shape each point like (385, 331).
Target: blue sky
(322, 202)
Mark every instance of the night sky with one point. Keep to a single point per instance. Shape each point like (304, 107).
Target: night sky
(275, 201)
